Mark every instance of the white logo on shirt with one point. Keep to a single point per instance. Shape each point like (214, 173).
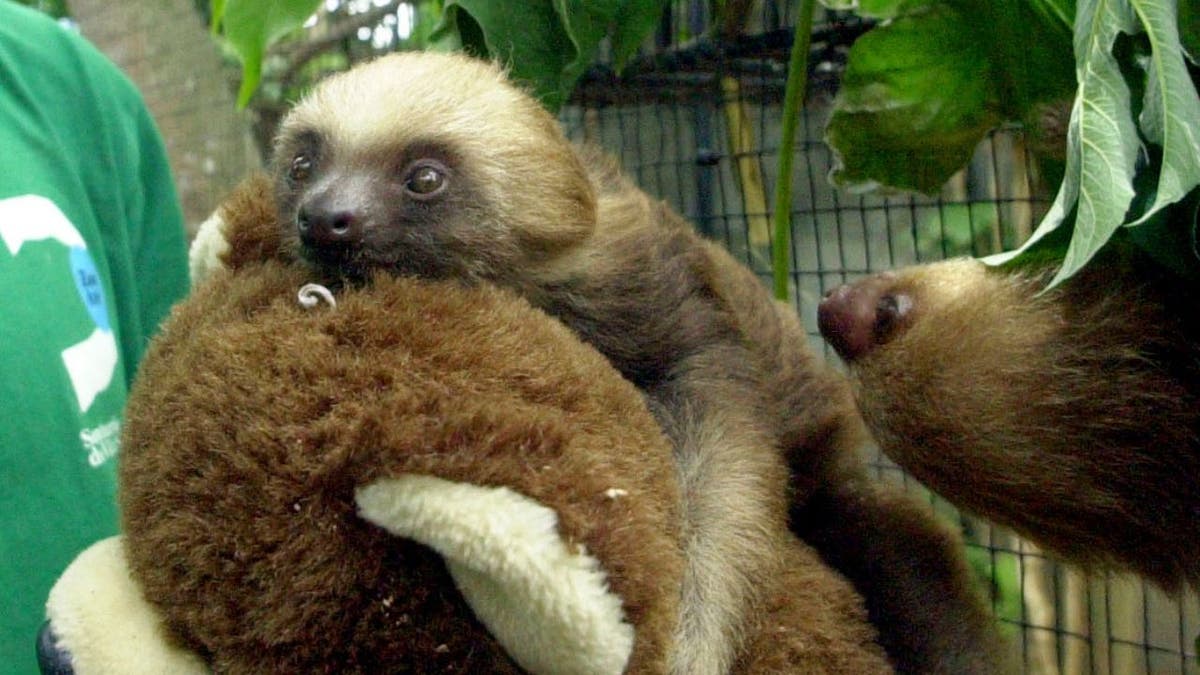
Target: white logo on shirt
(92, 363)
(102, 442)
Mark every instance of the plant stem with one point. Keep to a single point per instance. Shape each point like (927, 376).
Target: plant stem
(793, 102)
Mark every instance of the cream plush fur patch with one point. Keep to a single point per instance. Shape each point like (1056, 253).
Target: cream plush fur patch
(547, 603)
(210, 244)
(102, 621)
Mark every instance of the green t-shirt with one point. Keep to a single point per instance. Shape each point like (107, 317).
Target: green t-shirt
(92, 254)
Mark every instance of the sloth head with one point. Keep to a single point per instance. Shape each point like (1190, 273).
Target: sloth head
(432, 165)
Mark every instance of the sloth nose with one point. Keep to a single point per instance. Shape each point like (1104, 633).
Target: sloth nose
(856, 318)
(321, 225)
(844, 318)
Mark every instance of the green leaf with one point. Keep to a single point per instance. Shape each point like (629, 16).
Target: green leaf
(632, 23)
(917, 95)
(429, 15)
(923, 87)
(1102, 142)
(1189, 28)
(251, 26)
(626, 22)
(1055, 12)
(217, 8)
(1100, 188)
(1169, 237)
(586, 23)
(527, 36)
(1029, 43)
(877, 9)
(458, 31)
(548, 44)
(1171, 109)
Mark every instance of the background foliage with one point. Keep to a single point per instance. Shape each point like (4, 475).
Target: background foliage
(1103, 85)
(546, 43)
(927, 83)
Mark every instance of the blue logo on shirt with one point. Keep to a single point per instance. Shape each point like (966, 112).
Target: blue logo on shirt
(87, 282)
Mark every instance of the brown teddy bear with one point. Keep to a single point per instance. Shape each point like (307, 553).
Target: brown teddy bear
(412, 476)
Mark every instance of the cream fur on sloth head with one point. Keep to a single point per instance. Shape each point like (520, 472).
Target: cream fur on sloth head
(518, 191)
(524, 169)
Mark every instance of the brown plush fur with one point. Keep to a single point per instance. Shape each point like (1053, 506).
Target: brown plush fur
(1072, 416)
(253, 420)
(727, 372)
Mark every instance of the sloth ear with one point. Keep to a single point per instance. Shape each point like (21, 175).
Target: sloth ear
(547, 602)
(562, 214)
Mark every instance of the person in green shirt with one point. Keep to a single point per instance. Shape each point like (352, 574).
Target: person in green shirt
(92, 255)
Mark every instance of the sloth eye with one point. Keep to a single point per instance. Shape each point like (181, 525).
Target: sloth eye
(301, 168)
(426, 180)
(889, 311)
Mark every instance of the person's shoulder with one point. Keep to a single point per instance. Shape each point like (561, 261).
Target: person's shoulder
(34, 35)
(23, 19)
(40, 43)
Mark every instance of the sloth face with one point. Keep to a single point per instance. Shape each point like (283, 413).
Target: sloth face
(410, 210)
(429, 165)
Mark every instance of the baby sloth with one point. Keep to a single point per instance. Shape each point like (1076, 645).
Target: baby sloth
(1072, 416)
(434, 165)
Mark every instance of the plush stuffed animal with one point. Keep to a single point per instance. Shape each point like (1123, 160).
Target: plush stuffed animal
(408, 477)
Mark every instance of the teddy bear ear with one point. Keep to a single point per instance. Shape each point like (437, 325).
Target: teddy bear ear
(208, 249)
(243, 230)
(546, 601)
(98, 622)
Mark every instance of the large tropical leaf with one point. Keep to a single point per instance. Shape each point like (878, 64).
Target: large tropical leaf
(527, 35)
(1102, 142)
(548, 44)
(1189, 28)
(250, 26)
(1103, 188)
(916, 98)
(923, 87)
(1170, 115)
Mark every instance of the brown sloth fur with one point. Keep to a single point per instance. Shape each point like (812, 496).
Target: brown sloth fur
(253, 420)
(435, 166)
(1071, 415)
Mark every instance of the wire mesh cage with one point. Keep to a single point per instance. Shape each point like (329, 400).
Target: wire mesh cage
(698, 124)
(695, 120)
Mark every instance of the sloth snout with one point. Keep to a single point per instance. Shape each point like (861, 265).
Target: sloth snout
(322, 225)
(855, 318)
